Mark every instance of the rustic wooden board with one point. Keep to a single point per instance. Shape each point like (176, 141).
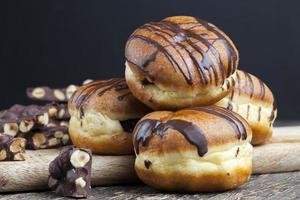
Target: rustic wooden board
(270, 186)
(32, 174)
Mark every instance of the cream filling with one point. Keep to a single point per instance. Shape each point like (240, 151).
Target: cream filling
(95, 124)
(161, 93)
(190, 162)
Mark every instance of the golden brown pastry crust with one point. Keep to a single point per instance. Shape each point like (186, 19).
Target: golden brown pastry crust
(97, 111)
(253, 100)
(111, 97)
(193, 150)
(188, 61)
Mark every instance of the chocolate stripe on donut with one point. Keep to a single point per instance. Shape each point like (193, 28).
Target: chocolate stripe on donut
(238, 83)
(100, 88)
(231, 53)
(262, 89)
(251, 86)
(232, 120)
(162, 49)
(206, 61)
(152, 27)
(190, 131)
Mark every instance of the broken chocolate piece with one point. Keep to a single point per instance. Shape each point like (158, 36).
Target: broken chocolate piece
(47, 137)
(70, 172)
(12, 148)
(23, 119)
(45, 93)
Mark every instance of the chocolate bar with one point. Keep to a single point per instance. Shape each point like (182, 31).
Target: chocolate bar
(45, 93)
(11, 148)
(70, 173)
(23, 119)
(47, 137)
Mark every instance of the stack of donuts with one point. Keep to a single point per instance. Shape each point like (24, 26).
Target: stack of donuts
(186, 111)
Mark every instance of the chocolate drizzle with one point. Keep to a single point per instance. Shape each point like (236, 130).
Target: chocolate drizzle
(99, 88)
(232, 120)
(251, 86)
(248, 110)
(190, 131)
(259, 113)
(175, 41)
(262, 89)
(238, 83)
(231, 53)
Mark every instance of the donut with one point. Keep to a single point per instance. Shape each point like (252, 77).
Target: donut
(253, 100)
(202, 149)
(103, 115)
(180, 62)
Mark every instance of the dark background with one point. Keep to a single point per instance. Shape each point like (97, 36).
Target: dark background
(56, 43)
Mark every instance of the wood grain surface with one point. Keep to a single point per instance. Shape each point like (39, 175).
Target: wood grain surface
(32, 174)
(280, 186)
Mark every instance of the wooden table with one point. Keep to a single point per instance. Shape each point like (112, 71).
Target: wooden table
(271, 186)
(267, 186)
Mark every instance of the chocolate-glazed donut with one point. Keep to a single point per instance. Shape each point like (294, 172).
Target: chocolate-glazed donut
(200, 149)
(180, 62)
(253, 100)
(103, 114)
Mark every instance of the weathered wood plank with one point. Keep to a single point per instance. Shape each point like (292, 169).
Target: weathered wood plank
(270, 186)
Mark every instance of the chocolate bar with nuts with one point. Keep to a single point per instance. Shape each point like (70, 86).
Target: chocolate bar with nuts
(57, 123)
(11, 149)
(45, 93)
(48, 137)
(70, 173)
(58, 111)
(23, 119)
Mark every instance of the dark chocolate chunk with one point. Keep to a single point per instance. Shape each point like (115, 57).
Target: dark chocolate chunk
(11, 149)
(70, 173)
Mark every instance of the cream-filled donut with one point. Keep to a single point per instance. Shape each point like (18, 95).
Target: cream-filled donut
(253, 100)
(103, 115)
(202, 149)
(180, 62)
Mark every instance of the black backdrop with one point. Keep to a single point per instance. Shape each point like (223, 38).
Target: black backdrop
(61, 42)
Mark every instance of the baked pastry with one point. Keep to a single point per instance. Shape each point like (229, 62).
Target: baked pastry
(103, 115)
(180, 62)
(201, 149)
(254, 101)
